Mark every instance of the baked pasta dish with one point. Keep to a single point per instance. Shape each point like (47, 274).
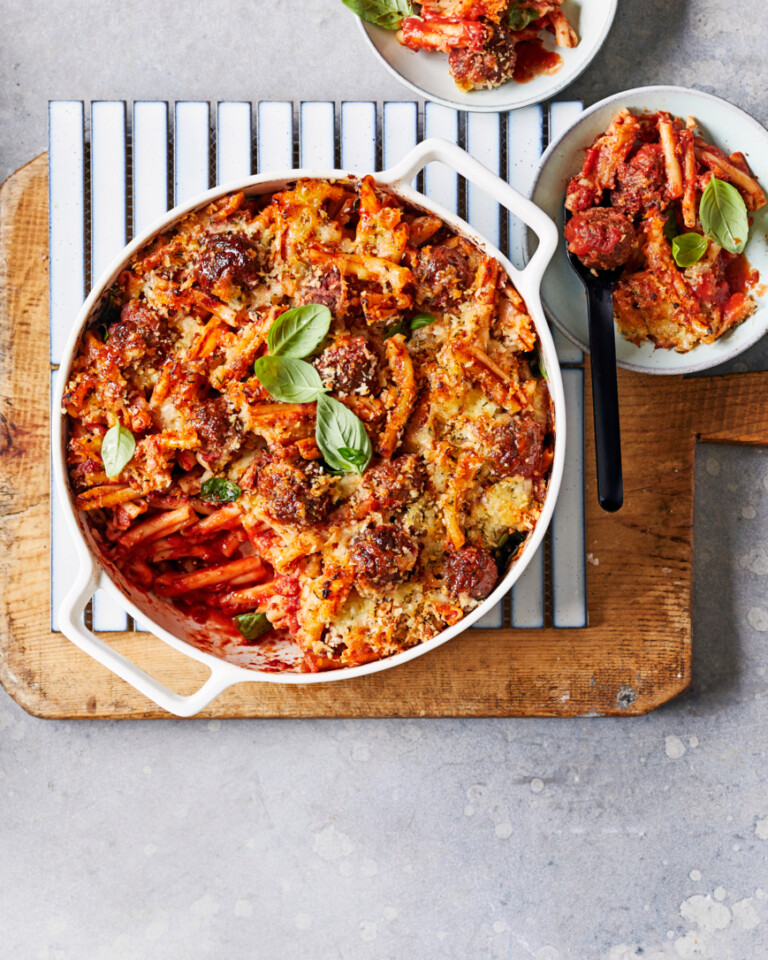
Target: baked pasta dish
(488, 42)
(318, 415)
(671, 214)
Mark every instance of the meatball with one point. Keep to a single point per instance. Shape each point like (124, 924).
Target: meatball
(296, 493)
(227, 258)
(640, 182)
(349, 365)
(444, 273)
(211, 421)
(382, 555)
(600, 237)
(489, 66)
(328, 290)
(517, 448)
(140, 332)
(395, 483)
(470, 570)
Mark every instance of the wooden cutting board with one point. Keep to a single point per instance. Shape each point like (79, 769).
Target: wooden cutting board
(635, 654)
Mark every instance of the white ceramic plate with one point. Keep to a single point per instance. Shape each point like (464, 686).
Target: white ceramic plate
(427, 73)
(562, 293)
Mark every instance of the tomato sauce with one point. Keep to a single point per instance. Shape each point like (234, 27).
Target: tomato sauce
(533, 59)
(741, 275)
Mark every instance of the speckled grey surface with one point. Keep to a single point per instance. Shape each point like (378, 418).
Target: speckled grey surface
(612, 840)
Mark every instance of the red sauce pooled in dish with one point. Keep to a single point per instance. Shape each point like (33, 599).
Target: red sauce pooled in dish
(741, 275)
(533, 59)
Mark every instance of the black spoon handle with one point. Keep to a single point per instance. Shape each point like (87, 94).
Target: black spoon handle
(605, 399)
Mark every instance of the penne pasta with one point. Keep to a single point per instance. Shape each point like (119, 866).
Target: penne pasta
(330, 495)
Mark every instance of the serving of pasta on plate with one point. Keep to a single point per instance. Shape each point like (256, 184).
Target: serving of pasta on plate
(488, 42)
(654, 199)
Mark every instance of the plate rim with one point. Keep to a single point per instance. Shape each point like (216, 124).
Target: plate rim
(558, 86)
(682, 368)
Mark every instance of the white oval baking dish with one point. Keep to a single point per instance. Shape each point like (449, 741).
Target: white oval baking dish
(159, 616)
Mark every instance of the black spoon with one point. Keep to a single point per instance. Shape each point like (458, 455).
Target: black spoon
(599, 285)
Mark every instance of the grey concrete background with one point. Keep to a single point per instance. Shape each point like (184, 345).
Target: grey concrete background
(443, 840)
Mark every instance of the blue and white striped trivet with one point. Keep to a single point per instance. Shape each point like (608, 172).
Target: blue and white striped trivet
(111, 177)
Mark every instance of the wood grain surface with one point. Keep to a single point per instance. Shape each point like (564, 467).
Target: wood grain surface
(635, 654)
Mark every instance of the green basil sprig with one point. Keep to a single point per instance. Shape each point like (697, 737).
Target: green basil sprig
(289, 380)
(520, 16)
(252, 625)
(400, 327)
(219, 490)
(116, 449)
(341, 437)
(537, 363)
(405, 326)
(422, 320)
(723, 215)
(383, 13)
(689, 248)
(299, 331)
(670, 226)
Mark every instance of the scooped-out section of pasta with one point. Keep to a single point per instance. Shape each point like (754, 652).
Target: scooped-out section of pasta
(317, 416)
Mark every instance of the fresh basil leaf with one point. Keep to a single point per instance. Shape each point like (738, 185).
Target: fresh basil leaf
(399, 327)
(536, 363)
(252, 625)
(116, 449)
(689, 248)
(289, 380)
(383, 13)
(508, 546)
(723, 215)
(422, 320)
(341, 437)
(299, 331)
(520, 16)
(219, 490)
(670, 226)
(110, 312)
(355, 457)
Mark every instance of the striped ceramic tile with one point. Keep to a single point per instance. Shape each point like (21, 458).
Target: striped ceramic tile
(67, 205)
(483, 141)
(569, 577)
(275, 136)
(358, 137)
(400, 132)
(317, 135)
(191, 157)
(525, 132)
(569, 597)
(509, 145)
(66, 184)
(441, 184)
(150, 163)
(233, 142)
(109, 234)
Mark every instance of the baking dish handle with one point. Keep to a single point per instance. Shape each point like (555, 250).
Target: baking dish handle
(474, 171)
(223, 674)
